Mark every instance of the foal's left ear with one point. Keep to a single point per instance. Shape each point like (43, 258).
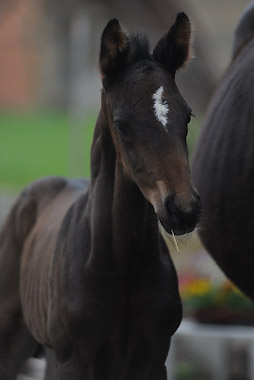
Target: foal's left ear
(174, 49)
(114, 50)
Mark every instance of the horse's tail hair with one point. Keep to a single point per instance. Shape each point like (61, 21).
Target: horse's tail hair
(23, 214)
(18, 223)
(244, 30)
(12, 237)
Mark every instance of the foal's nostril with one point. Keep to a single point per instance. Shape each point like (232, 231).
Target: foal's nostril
(170, 203)
(181, 210)
(172, 209)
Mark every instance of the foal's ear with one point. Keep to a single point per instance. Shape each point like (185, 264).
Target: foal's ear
(174, 49)
(114, 49)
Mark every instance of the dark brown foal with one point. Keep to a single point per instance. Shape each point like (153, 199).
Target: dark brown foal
(84, 268)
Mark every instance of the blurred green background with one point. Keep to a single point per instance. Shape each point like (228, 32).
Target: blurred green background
(50, 82)
(50, 99)
(36, 144)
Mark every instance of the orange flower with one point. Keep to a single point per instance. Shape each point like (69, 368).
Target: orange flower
(197, 287)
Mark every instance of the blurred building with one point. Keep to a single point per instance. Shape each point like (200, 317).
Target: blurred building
(19, 58)
(49, 49)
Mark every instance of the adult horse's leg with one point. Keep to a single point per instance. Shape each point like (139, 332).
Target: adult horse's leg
(16, 342)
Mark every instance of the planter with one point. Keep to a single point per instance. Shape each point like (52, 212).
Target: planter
(221, 315)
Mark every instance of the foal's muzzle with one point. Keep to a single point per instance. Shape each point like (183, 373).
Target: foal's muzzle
(180, 216)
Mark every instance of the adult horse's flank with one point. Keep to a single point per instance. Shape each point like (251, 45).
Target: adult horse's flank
(84, 269)
(223, 164)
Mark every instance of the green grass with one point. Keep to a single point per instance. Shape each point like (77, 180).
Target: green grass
(194, 128)
(34, 145)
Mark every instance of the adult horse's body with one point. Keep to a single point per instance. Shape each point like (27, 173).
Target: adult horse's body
(84, 269)
(223, 164)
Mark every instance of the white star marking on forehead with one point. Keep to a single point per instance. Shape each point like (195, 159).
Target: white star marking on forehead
(160, 107)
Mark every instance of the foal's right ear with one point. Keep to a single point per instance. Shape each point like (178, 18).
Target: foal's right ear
(115, 47)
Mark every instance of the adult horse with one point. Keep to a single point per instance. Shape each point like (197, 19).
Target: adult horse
(84, 269)
(223, 164)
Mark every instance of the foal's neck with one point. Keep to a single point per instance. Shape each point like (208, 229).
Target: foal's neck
(123, 214)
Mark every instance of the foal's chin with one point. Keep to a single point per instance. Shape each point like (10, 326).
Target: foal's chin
(177, 230)
(181, 228)
(176, 220)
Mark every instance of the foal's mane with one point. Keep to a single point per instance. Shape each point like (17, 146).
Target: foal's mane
(139, 48)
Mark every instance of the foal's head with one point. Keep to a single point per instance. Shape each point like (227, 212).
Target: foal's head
(148, 118)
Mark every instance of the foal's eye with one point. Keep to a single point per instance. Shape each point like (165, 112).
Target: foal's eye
(123, 129)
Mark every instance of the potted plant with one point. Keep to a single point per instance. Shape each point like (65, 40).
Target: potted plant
(215, 303)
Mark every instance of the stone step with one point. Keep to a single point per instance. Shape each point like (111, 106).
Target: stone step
(34, 369)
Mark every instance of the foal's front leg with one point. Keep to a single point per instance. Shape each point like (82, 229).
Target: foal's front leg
(145, 355)
(16, 347)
